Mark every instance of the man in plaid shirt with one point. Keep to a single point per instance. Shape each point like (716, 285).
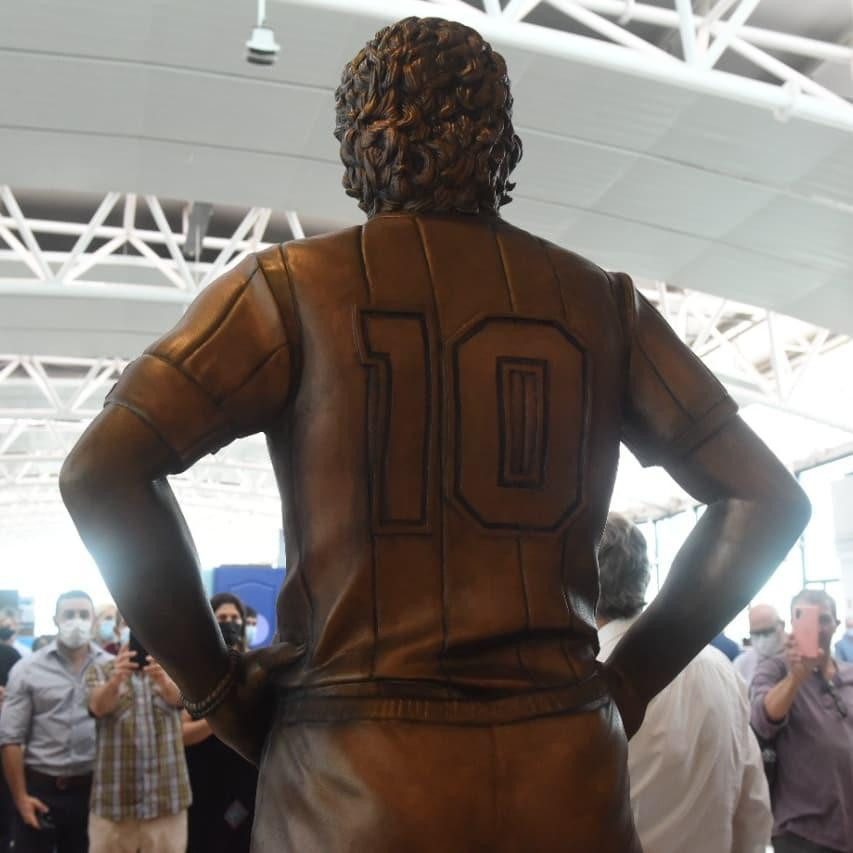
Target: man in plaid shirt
(141, 788)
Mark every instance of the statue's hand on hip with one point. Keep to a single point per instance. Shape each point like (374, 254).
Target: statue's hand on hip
(629, 702)
(244, 718)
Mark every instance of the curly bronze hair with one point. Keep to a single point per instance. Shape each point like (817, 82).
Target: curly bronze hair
(424, 118)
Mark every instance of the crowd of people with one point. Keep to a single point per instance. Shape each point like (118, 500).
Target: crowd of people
(98, 754)
(733, 754)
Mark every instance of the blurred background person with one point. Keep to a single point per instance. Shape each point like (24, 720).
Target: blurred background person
(141, 788)
(803, 705)
(105, 628)
(48, 737)
(223, 782)
(43, 640)
(697, 779)
(844, 647)
(766, 637)
(251, 626)
(10, 618)
(727, 646)
(8, 658)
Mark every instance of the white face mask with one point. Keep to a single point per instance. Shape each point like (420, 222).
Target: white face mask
(251, 630)
(75, 633)
(768, 645)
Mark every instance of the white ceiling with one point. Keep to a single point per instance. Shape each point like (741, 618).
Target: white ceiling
(655, 176)
(652, 168)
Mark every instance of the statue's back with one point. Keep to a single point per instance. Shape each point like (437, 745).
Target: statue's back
(447, 458)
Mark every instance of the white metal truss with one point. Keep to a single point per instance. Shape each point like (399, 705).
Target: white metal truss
(46, 401)
(704, 38)
(761, 356)
(157, 255)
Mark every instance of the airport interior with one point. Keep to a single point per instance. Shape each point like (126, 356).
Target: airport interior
(171, 183)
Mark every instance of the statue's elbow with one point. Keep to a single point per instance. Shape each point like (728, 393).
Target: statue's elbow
(799, 508)
(78, 479)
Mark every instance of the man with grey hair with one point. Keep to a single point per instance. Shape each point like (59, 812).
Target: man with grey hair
(767, 639)
(805, 706)
(697, 781)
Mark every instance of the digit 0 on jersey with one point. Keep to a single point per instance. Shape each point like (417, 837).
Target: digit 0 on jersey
(444, 398)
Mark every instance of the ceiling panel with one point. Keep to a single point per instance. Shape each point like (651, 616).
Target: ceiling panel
(737, 139)
(683, 198)
(604, 106)
(832, 178)
(753, 278)
(563, 170)
(806, 232)
(633, 247)
(155, 96)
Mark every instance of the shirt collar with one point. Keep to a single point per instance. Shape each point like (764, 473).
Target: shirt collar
(52, 648)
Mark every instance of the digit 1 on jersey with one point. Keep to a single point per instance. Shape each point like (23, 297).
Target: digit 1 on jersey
(395, 345)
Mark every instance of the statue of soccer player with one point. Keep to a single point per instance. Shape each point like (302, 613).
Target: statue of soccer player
(443, 396)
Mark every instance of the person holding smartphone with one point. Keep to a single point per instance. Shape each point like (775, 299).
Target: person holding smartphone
(803, 702)
(141, 790)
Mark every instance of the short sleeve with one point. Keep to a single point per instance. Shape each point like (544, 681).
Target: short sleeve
(673, 402)
(17, 713)
(225, 370)
(97, 675)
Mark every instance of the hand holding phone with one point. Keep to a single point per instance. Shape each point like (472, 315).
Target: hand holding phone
(141, 653)
(45, 820)
(806, 628)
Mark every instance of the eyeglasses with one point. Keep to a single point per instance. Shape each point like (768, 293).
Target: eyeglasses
(840, 706)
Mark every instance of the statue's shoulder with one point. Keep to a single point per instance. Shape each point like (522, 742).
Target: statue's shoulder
(318, 244)
(570, 260)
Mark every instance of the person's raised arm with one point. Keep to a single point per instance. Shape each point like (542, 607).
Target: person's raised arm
(223, 372)
(104, 695)
(680, 417)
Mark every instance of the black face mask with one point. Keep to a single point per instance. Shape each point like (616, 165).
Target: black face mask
(232, 632)
(6, 633)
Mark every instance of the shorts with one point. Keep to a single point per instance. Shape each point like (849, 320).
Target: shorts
(556, 784)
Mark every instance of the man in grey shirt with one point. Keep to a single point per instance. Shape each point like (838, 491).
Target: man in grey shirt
(805, 706)
(47, 736)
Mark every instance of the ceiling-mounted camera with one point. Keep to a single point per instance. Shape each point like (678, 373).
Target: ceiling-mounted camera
(261, 47)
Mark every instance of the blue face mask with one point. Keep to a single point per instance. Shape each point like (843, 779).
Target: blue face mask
(251, 630)
(107, 630)
(124, 636)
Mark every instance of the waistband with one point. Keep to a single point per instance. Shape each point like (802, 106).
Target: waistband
(60, 783)
(309, 705)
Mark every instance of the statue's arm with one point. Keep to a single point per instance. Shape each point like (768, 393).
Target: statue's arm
(679, 416)
(755, 513)
(223, 372)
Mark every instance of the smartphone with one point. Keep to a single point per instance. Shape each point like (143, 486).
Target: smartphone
(806, 625)
(45, 820)
(141, 652)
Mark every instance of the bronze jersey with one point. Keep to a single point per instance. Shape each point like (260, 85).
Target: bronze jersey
(443, 398)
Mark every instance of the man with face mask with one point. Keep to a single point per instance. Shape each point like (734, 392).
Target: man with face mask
(767, 635)
(805, 706)
(48, 737)
(9, 619)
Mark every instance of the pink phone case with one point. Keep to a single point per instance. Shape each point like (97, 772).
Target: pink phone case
(806, 625)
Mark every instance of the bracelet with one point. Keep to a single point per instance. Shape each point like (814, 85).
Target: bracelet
(204, 707)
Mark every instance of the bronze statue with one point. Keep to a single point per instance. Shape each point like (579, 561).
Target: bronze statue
(443, 395)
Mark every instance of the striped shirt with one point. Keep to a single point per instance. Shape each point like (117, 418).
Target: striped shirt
(140, 769)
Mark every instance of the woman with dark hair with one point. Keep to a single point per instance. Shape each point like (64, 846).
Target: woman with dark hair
(230, 613)
(223, 783)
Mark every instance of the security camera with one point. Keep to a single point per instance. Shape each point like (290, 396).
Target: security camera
(262, 47)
